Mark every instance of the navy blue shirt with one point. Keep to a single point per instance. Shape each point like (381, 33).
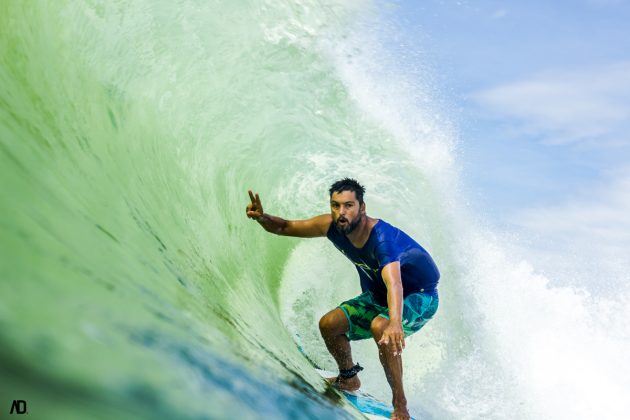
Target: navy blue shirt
(387, 244)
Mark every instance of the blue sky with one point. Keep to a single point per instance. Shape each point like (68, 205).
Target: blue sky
(540, 92)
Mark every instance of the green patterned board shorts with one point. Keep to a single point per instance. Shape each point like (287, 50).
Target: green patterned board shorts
(418, 309)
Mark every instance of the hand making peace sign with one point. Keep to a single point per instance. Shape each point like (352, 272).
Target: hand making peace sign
(254, 209)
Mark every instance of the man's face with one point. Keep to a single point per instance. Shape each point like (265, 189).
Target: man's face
(346, 211)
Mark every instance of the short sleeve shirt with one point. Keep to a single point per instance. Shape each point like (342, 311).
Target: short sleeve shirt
(385, 245)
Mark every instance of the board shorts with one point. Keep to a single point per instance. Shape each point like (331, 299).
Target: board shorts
(418, 309)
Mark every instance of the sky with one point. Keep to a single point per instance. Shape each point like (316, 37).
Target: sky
(540, 94)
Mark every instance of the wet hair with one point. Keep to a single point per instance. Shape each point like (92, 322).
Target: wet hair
(348, 184)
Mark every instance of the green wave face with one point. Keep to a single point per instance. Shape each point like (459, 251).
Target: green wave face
(131, 281)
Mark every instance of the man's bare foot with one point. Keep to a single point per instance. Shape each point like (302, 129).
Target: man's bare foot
(351, 384)
(400, 411)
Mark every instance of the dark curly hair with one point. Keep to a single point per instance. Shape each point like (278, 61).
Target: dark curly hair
(348, 184)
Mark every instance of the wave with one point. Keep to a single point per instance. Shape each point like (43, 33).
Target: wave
(132, 283)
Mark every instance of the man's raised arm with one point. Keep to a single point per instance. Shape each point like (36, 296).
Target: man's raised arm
(310, 228)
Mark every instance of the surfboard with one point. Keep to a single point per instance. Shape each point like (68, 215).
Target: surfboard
(370, 406)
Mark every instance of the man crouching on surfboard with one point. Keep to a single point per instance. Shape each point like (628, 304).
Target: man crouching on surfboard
(398, 279)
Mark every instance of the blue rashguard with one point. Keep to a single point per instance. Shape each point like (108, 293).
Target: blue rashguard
(387, 244)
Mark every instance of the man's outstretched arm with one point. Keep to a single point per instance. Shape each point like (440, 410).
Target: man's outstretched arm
(310, 228)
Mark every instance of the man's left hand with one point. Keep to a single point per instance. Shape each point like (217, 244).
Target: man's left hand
(393, 337)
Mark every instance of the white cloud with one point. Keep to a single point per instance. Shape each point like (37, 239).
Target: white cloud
(587, 106)
(585, 237)
(601, 214)
(500, 13)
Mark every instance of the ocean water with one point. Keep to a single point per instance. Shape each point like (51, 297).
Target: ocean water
(133, 286)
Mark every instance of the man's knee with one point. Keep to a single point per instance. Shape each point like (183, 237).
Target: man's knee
(334, 323)
(377, 326)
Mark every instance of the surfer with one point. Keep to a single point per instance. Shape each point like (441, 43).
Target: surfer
(398, 280)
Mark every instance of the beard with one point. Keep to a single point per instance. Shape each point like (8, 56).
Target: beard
(349, 226)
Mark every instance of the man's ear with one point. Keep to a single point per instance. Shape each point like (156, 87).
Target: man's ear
(362, 208)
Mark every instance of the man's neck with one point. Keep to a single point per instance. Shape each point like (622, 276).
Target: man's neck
(359, 236)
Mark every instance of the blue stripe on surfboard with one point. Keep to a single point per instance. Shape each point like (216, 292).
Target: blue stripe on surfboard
(368, 405)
